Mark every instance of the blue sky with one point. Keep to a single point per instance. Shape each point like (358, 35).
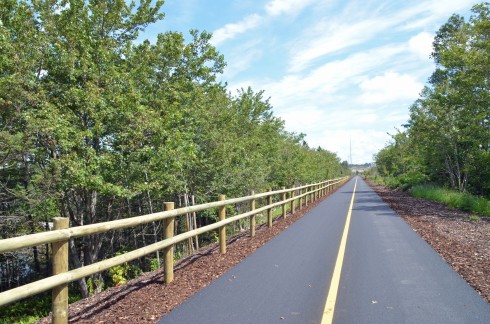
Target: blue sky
(336, 70)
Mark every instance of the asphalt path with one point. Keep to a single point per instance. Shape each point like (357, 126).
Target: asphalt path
(389, 274)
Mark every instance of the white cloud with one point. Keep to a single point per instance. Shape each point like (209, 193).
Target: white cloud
(322, 83)
(355, 27)
(240, 58)
(443, 9)
(331, 36)
(324, 103)
(278, 7)
(364, 142)
(230, 31)
(273, 8)
(300, 121)
(389, 87)
(430, 13)
(348, 93)
(421, 44)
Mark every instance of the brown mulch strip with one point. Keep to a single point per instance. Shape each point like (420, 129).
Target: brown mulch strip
(463, 243)
(148, 298)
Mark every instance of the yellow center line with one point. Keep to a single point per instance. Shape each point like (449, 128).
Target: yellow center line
(334, 284)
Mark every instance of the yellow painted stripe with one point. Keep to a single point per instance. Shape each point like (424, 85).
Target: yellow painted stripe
(334, 284)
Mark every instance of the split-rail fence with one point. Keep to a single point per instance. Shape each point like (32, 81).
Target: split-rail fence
(62, 233)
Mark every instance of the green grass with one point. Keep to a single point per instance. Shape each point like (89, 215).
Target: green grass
(453, 199)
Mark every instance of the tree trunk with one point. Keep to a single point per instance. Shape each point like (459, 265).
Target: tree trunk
(75, 263)
(449, 170)
(195, 223)
(35, 252)
(190, 248)
(156, 237)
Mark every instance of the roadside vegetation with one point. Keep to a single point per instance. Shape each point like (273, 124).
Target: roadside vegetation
(98, 125)
(453, 199)
(30, 310)
(443, 152)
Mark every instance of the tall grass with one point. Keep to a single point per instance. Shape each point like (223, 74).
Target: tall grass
(453, 199)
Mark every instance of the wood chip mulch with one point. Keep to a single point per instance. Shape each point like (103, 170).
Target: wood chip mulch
(148, 298)
(463, 243)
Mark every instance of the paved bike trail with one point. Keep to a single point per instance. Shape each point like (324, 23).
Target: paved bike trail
(389, 274)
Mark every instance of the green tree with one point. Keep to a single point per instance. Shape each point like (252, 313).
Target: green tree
(401, 162)
(448, 135)
(450, 120)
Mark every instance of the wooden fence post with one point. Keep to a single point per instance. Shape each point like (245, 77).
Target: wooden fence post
(252, 218)
(301, 199)
(306, 196)
(284, 205)
(292, 201)
(60, 265)
(169, 227)
(222, 229)
(269, 211)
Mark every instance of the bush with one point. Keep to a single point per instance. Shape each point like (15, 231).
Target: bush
(120, 274)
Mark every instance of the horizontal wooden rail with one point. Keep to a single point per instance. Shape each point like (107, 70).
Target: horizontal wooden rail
(17, 243)
(58, 280)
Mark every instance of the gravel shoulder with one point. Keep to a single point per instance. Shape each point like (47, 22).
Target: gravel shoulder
(464, 244)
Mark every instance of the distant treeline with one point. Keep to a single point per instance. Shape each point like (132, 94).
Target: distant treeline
(447, 138)
(95, 126)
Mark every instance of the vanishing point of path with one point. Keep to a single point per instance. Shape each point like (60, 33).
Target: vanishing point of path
(350, 260)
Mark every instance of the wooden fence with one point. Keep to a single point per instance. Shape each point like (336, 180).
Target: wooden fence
(62, 233)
